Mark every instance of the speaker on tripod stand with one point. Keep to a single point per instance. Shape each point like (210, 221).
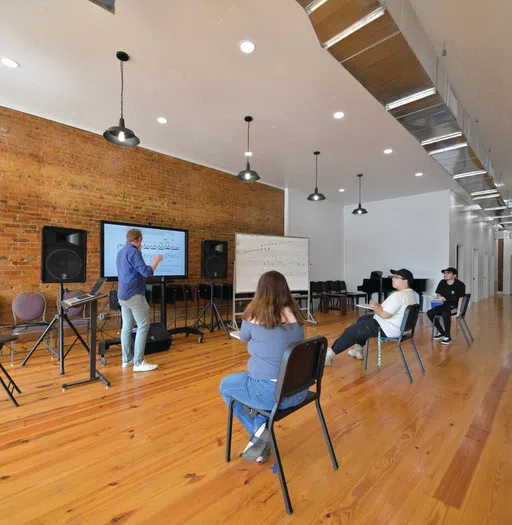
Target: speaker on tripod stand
(63, 260)
(214, 265)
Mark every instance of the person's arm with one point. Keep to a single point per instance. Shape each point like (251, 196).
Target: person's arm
(141, 267)
(377, 308)
(245, 331)
(438, 295)
(156, 262)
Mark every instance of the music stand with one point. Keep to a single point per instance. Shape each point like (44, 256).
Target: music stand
(216, 317)
(94, 375)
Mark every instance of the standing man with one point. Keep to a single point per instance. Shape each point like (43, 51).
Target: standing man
(388, 318)
(451, 291)
(132, 272)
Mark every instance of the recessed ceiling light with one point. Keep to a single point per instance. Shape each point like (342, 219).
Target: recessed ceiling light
(161, 120)
(9, 62)
(247, 47)
(248, 153)
(388, 151)
(339, 114)
(419, 174)
(341, 190)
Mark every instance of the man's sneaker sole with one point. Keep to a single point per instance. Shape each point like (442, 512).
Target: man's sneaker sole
(438, 337)
(145, 368)
(446, 342)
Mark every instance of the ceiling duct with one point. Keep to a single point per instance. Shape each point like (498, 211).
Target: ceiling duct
(383, 45)
(109, 5)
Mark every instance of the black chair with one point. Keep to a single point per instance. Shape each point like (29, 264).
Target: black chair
(406, 332)
(316, 291)
(302, 366)
(352, 297)
(11, 386)
(462, 320)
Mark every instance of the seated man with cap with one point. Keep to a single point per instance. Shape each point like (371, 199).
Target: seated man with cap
(388, 318)
(451, 291)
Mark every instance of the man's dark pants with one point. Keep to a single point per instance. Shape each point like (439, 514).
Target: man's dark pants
(358, 333)
(445, 311)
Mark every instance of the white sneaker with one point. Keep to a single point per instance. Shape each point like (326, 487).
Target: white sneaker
(356, 352)
(128, 363)
(144, 367)
(329, 356)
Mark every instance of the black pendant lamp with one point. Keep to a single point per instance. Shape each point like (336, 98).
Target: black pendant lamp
(121, 135)
(248, 175)
(316, 196)
(360, 210)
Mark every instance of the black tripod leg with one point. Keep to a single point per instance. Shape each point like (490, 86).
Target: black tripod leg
(33, 349)
(219, 320)
(196, 324)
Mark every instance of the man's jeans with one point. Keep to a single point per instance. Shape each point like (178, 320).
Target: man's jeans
(358, 333)
(136, 309)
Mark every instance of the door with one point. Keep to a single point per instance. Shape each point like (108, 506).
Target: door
(474, 276)
(486, 276)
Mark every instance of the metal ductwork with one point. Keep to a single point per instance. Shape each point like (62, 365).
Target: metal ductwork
(109, 5)
(383, 45)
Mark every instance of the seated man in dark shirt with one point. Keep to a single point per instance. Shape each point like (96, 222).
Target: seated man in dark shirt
(451, 291)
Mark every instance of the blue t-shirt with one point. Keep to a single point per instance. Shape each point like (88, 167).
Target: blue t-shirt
(267, 345)
(132, 272)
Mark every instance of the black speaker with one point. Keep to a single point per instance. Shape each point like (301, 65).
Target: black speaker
(214, 259)
(63, 255)
(158, 339)
(113, 301)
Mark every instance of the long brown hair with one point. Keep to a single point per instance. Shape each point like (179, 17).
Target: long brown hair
(271, 298)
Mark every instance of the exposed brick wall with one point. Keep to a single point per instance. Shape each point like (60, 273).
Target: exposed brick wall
(51, 174)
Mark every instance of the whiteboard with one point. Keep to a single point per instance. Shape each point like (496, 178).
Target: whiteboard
(257, 254)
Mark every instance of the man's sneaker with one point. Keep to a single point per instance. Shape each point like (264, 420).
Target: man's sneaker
(438, 337)
(356, 352)
(127, 364)
(144, 367)
(329, 356)
(446, 341)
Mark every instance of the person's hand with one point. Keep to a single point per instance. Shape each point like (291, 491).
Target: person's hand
(441, 298)
(157, 258)
(455, 317)
(374, 303)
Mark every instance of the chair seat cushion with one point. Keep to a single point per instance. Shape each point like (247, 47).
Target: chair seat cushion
(29, 328)
(7, 339)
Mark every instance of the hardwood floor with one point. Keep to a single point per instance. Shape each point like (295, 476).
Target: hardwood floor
(151, 448)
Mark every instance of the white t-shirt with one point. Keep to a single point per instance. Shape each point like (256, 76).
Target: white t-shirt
(395, 305)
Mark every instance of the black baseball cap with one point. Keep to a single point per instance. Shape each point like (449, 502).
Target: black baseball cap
(450, 269)
(406, 274)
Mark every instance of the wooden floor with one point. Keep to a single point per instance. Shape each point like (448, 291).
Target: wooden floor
(150, 449)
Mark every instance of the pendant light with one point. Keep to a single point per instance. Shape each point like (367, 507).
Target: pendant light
(316, 196)
(121, 135)
(248, 175)
(360, 210)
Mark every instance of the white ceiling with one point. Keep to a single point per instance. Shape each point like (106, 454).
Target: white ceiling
(476, 35)
(186, 65)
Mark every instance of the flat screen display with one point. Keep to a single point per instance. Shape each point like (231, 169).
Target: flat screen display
(170, 243)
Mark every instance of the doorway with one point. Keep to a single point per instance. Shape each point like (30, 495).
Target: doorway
(474, 276)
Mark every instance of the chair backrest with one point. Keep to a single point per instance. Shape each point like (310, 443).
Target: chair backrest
(334, 286)
(343, 286)
(465, 304)
(29, 306)
(315, 287)
(74, 311)
(302, 365)
(410, 318)
(325, 287)
(376, 274)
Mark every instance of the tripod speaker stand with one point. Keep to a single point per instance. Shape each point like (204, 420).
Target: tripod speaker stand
(215, 316)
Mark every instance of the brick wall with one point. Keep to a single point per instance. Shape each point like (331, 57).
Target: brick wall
(51, 174)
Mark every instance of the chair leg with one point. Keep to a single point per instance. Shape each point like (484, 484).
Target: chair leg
(433, 327)
(326, 435)
(467, 328)
(230, 428)
(405, 363)
(11, 351)
(366, 353)
(12, 384)
(417, 355)
(282, 480)
(464, 333)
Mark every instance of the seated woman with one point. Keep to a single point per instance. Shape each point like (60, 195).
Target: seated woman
(270, 323)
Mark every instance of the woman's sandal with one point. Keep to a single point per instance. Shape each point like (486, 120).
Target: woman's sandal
(258, 447)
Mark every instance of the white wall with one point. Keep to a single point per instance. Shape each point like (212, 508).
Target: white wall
(407, 232)
(470, 232)
(322, 222)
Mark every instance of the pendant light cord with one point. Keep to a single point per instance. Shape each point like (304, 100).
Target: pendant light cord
(122, 86)
(316, 171)
(360, 190)
(248, 132)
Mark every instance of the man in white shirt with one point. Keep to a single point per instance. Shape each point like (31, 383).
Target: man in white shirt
(388, 318)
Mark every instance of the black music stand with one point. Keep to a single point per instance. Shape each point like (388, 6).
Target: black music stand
(215, 319)
(94, 375)
(59, 318)
(187, 330)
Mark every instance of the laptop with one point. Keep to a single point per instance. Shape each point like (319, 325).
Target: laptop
(91, 295)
